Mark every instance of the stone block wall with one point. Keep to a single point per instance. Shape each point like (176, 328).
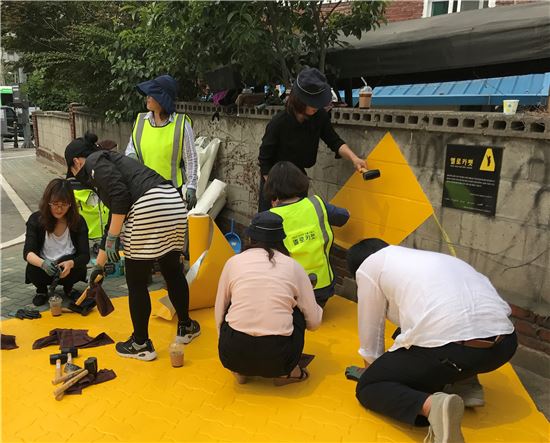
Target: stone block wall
(512, 248)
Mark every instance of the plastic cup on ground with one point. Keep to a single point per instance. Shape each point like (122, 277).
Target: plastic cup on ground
(509, 107)
(176, 354)
(55, 305)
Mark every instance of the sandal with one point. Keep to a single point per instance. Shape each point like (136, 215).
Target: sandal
(285, 380)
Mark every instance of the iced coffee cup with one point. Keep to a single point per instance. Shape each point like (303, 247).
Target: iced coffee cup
(55, 305)
(365, 97)
(176, 354)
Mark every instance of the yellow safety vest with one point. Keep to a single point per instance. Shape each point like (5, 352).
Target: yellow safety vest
(94, 212)
(309, 237)
(160, 147)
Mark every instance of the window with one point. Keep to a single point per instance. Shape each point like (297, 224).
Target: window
(440, 7)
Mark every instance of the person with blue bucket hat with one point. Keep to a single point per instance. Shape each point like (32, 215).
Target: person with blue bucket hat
(163, 139)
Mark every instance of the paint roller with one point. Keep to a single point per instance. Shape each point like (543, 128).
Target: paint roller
(370, 174)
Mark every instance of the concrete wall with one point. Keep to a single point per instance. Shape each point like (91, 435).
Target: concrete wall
(511, 248)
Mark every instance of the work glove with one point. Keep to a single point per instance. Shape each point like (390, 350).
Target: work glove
(27, 313)
(111, 248)
(354, 372)
(50, 267)
(191, 198)
(97, 270)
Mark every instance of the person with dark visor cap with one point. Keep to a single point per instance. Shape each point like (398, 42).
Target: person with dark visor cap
(163, 139)
(265, 282)
(294, 133)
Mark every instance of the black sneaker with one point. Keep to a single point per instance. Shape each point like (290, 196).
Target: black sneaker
(188, 332)
(39, 299)
(131, 349)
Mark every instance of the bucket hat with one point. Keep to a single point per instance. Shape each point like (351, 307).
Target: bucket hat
(163, 89)
(312, 88)
(266, 226)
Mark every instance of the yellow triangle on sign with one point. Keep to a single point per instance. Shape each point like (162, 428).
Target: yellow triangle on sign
(488, 163)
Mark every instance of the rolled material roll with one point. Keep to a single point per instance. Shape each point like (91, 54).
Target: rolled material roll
(200, 235)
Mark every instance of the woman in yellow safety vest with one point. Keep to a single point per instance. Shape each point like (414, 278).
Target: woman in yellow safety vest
(307, 223)
(163, 140)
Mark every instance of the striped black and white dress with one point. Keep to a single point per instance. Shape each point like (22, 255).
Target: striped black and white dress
(155, 225)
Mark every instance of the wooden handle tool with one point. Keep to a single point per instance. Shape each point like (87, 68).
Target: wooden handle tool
(85, 293)
(64, 378)
(58, 392)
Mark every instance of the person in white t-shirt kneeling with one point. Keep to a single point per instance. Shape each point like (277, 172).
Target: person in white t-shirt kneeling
(453, 326)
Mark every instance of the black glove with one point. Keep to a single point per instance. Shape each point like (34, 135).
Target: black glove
(354, 372)
(27, 313)
(191, 198)
(97, 271)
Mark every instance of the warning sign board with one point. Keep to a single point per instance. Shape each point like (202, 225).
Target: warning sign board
(472, 175)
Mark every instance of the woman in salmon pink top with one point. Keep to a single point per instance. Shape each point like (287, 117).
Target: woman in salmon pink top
(264, 304)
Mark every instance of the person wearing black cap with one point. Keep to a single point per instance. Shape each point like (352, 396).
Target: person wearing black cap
(150, 217)
(263, 306)
(307, 222)
(294, 134)
(163, 140)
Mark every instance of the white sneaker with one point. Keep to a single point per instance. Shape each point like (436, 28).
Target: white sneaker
(445, 418)
(470, 390)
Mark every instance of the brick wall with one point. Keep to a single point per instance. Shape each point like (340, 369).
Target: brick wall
(533, 330)
(399, 10)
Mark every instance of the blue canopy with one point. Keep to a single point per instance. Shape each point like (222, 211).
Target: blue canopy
(532, 89)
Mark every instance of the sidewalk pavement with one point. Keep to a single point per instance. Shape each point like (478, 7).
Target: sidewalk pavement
(28, 177)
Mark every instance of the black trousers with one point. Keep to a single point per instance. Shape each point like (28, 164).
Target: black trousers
(398, 383)
(264, 356)
(137, 276)
(38, 277)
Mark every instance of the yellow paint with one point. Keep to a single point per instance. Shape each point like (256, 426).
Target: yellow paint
(153, 402)
(199, 235)
(488, 162)
(390, 207)
(204, 235)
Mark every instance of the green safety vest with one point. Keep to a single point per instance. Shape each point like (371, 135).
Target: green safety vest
(94, 212)
(160, 147)
(309, 237)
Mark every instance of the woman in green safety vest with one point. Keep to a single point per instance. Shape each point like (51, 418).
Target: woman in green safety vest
(307, 223)
(163, 140)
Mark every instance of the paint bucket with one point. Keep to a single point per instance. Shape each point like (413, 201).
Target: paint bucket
(509, 107)
(233, 239)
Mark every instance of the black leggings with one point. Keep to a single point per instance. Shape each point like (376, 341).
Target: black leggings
(137, 276)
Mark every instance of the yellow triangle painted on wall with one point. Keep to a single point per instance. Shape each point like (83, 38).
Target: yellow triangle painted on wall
(390, 207)
(488, 162)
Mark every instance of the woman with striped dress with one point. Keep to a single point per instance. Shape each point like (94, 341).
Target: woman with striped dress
(149, 216)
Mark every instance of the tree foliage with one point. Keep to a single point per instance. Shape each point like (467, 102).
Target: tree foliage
(96, 52)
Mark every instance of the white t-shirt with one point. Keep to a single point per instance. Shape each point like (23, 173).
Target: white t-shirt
(435, 298)
(56, 247)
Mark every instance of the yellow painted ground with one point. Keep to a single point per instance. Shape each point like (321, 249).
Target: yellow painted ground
(150, 401)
